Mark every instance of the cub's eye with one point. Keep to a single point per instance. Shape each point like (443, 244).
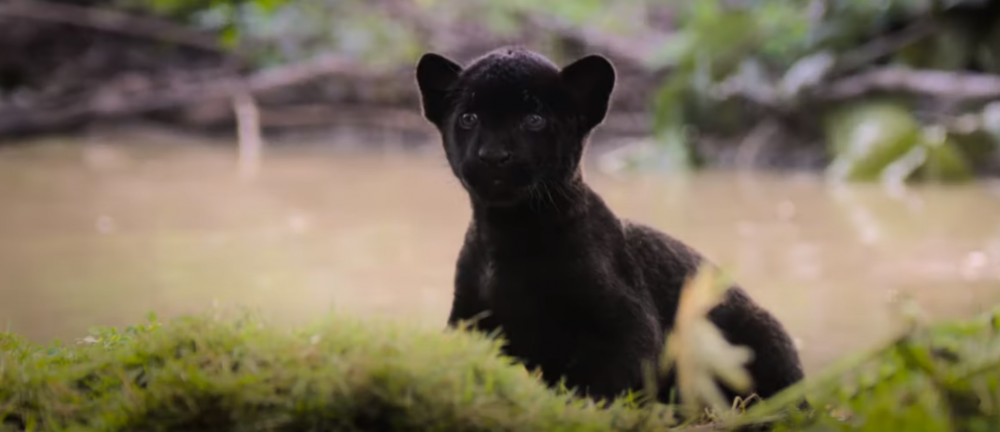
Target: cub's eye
(534, 122)
(468, 121)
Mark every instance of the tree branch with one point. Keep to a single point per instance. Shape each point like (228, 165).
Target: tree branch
(635, 50)
(107, 20)
(944, 85)
(884, 46)
(117, 99)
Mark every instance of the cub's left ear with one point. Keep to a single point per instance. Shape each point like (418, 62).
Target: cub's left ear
(591, 79)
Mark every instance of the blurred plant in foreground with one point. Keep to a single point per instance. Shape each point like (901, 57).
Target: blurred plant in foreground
(698, 350)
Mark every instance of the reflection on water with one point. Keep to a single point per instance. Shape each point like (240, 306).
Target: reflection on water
(100, 235)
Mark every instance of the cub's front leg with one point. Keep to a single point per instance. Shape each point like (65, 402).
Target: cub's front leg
(467, 302)
(609, 364)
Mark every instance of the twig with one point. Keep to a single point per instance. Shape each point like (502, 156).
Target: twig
(883, 46)
(296, 73)
(107, 20)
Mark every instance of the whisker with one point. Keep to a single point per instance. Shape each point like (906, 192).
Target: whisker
(548, 192)
(533, 195)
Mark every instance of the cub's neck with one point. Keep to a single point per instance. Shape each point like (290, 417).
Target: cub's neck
(569, 216)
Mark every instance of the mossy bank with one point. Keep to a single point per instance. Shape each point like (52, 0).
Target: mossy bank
(208, 374)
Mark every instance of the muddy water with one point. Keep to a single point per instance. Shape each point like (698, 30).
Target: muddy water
(101, 234)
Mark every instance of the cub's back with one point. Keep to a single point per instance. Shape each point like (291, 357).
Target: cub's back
(665, 264)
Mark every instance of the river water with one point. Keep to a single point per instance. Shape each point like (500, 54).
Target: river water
(101, 232)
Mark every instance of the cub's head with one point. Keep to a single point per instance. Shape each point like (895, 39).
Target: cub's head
(512, 122)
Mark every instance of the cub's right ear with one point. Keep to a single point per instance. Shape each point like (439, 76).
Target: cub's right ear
(435, 76)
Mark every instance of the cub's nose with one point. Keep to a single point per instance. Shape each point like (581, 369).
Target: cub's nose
(493, 156)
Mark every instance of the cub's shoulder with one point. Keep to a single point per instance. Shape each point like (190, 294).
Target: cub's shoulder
(653, 247)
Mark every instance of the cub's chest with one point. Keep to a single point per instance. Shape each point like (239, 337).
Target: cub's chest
(545, 313)
(541, 292)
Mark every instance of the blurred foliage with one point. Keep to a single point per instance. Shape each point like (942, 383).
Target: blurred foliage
(729, 63)
(374, 31)
(229, 18)
(880, 140)
(273, 32)
(697, 349)
(941, 377)
(771, 51)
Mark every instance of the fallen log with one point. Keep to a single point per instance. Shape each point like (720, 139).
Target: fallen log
(116, 100)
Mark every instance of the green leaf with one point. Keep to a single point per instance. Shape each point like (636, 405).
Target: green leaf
(865, 138)
(944, 161)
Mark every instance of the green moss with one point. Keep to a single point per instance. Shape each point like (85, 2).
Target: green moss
(208, 374)
(199, 373)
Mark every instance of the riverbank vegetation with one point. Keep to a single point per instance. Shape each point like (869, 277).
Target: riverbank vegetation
(760, 84)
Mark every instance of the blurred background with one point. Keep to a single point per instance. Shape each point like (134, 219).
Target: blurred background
(176, 155)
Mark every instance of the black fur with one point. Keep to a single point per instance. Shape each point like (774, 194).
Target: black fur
(575, 291)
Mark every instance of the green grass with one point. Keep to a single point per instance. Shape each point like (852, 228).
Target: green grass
(941, 377)
(203, 373)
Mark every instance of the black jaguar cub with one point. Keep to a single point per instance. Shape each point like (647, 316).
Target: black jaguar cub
(573, 289)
